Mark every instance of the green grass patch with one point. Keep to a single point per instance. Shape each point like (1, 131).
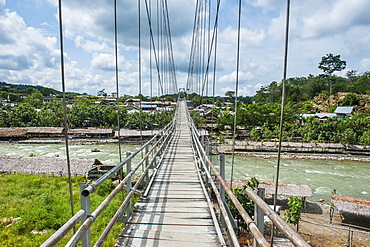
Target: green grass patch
(40, 203)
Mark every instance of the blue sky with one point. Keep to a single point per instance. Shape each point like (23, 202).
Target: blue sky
(29, 40)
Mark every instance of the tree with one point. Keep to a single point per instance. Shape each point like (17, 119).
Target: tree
(35, 99)
(293, 214)
(350, 99)
(331, 63)
(230, 94)
(244, 200)
(102, 92)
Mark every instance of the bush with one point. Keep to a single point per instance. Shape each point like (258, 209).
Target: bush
(293, 214)
(245, 201)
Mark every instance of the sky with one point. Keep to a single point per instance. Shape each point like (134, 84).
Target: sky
(30, 48)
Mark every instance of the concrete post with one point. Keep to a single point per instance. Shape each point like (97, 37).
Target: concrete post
(85, 205)
(222, 190)
(259, 215)
(206, 163)
(154, 152)
(146, 163)
(128, 186)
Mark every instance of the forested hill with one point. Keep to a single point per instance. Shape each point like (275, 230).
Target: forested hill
(26, 89)
(302, 89)
(13, 91)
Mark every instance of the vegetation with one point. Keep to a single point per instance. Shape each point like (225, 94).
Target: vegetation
(33, 207)
(198, 119)
(83, 113)
(259, 115)
(293, 214)
(331, 63)
(245, 201)
(301, 89)
(16, 90)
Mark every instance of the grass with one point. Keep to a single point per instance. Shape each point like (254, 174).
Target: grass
(41, 203)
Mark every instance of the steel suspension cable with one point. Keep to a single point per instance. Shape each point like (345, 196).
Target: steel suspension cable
(158, 34)
(215, 54)
(170, 48)
(203, 48)
(140, 74)
(117, 80)
(190, 82)
(208, 39)
(65, 122)
(154, 47)
(282, 110)
(236, 91)
(150, 66)
(211, 46)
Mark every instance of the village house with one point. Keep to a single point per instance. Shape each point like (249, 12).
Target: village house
(344, 111)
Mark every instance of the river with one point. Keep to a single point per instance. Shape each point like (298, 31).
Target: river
(347, 177)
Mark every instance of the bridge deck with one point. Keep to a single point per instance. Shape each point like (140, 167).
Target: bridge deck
(175, 212)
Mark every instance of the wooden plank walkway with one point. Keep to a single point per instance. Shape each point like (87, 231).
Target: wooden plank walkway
(175, 212)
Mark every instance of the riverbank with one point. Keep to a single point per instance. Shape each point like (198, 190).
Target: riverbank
(294, 150)
(80, 141)
(305, 156)
(263, 150)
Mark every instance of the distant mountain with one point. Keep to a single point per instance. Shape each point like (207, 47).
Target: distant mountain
(27, 89)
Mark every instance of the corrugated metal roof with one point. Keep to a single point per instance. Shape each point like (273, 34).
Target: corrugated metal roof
(90, 131)
(344, 110)
(45, 130)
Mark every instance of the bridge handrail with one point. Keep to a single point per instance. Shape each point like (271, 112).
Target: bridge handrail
(92, 187)
(58, 235)
(229, 225)
(165, 135)
(293, 236)
(258, 235)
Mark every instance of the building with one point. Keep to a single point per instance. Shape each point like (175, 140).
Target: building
(344, 111)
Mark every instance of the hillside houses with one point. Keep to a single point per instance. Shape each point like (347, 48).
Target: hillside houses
(341, 111)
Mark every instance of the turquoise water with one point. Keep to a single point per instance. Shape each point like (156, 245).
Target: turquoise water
(348, 178)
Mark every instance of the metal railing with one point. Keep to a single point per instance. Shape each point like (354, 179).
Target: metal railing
(207, 166)
(152, 154)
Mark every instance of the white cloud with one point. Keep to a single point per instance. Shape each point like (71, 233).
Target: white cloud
(92, 46)
(30, 55)
(246, 91)
(103, 61)
(268, 4)
(247, 37)
(365, 64)
(24, 47)
(337, 17)
(225, 89)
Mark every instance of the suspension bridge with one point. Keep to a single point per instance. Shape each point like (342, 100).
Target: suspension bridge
(183, 194)
(181, 205)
